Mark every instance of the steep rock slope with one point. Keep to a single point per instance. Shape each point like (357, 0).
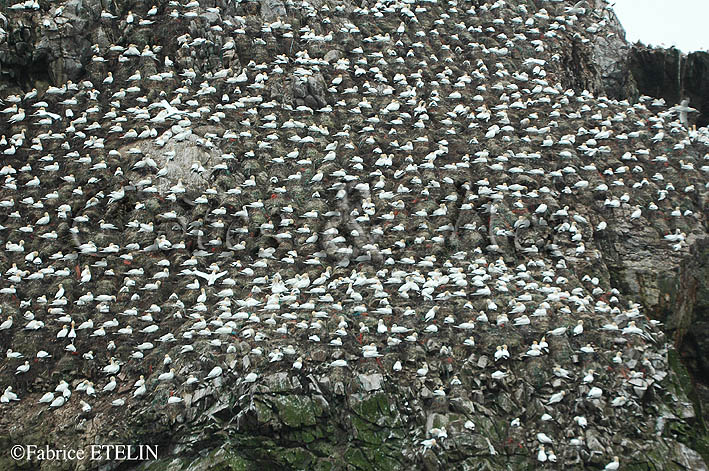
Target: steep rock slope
(335, 236)
(669, 74)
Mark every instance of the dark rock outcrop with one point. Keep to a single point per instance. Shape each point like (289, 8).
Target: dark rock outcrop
(43, 48)
(623, 70)
(673, 75)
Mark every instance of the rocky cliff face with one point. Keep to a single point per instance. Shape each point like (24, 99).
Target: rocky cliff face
(672, 75)
(328, 235)
(627, 71)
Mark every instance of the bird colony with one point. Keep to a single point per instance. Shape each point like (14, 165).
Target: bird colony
(406, 192)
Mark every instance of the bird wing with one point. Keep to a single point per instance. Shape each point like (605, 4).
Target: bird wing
(202, 274)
